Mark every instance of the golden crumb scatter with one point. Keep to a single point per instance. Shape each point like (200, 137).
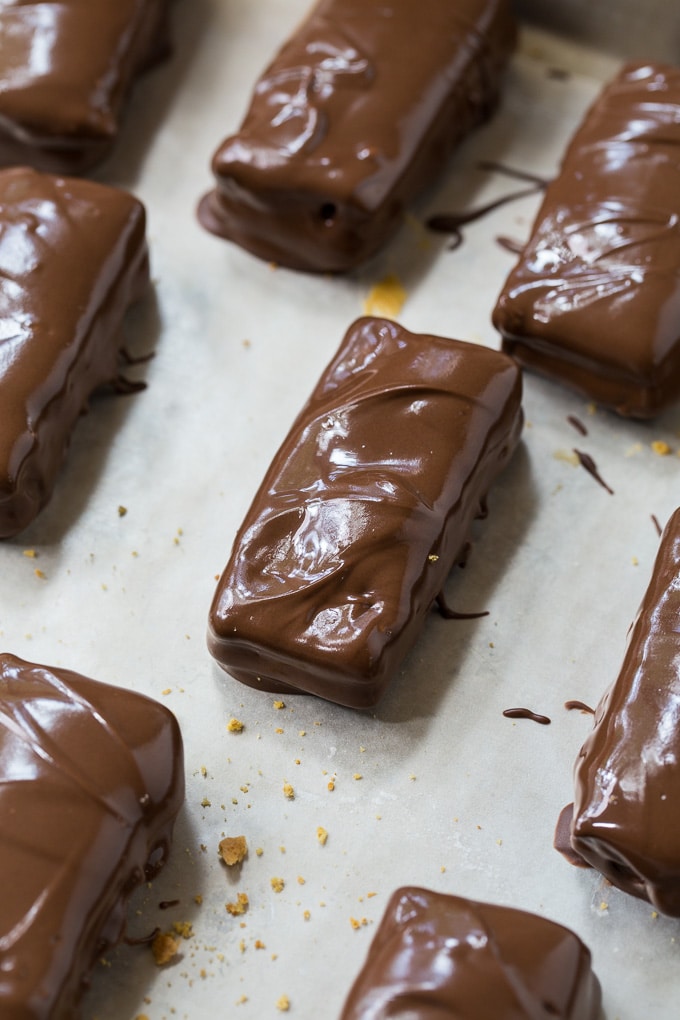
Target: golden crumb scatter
(278, 729)
(122, 510)
(205, 802)
(242, 946)
(246, 344)
(278, 705)
(40, 574)
(355, 923)
(283, 1004)
(604, 906)
(164, 947)
(298, 762)
(233, 850)
(635, 561)
(302, 733)
(288, 791)
(412, 776)
(386, 298)
(183, 928)
(306, 915)
(141, 1016)
(282, 849)
(204, 771)
(357, 775)
(370, 895)
(277, 884)
(300, 880)
(198, 899)
(331, 785)
(321, 835)
(31, 553)
(234, 725)
(568, 456)
(443, 869)
(661, 448)
(432, 558)
(591, 409)
(259, 944)
(239, 906)
(259, 851)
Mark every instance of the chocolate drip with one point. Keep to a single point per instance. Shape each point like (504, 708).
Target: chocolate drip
(586, 461)
(451, 614)
(509, 171)
(655, 522)
(510, 244)
(166, 904)
(526, 713)
(577, 424)
(573, 706)
(143, 940)
(452, 223)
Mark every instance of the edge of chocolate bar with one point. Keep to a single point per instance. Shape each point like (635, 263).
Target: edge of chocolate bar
(92, 779)
(64, 327)
(67, 72)
(350, 121)
(594, 300)
(435, 954)
(627, 775)
(365, 509)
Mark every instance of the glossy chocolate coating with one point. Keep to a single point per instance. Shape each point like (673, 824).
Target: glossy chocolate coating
(595, 298)
(91, 779)
(627, 800)
(350, 121)
(65, 71)
(73, 257)
(363, 513)
(436, 956)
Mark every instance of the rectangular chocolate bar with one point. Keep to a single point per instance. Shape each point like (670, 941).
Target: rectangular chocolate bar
(364, 511)
(627, 775)
(73, 257)
(594, 301)
(91, 779)
(350, 121)
(65, 72)
(436, 955)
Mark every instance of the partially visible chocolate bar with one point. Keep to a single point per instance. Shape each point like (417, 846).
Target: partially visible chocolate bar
(91, 779)
(436, 955)
(626, 821)
(367, 506)
(594, 301)
(350, 121)
(66, 70)
(73, 257)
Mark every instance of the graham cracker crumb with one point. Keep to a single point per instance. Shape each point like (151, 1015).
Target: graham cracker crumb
(164, 947)
(239, 907)
(283, 1004)
(277, 884)
(288, 791)
(321, 835)
(235, 725)
(233, 850)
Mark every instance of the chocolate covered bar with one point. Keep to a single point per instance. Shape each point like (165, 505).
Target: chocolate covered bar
(350, 121)
(364, 511)
(65, 72)
(626, 821)
(73, 257)
(437, 956)
(594, 300)
(91, 779)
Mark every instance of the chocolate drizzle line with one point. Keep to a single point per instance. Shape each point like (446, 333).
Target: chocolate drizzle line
(655, 522)
(145, 940)
(587, 462)
(510, 244)
(526, 713)
(509, 171)
(451, 223)
(166, 904)
(572, 706)
(577, 424)
(451, 614)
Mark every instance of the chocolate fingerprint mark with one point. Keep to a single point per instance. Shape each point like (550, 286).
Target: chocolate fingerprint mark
(450, 614)
(577, 424)
(526, 713)
(655, 522)
(587, 462)
(510, 244)
(578, 706)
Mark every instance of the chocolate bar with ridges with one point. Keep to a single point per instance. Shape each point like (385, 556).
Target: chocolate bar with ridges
(365, 509)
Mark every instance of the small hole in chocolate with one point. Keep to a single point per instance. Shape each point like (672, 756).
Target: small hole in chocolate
(328, 213)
